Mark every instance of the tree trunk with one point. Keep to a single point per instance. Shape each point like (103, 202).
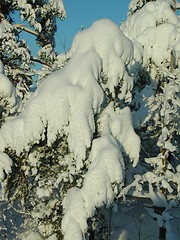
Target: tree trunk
(162, 230)
(162, 233)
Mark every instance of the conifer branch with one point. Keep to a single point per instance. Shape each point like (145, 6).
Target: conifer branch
(34, 59)
(26, 29)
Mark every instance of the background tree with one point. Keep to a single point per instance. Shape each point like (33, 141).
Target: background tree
(40, 21)
(156, 35)
(18, 69)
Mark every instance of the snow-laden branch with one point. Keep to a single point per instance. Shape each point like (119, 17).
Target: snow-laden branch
(34, 59)
(107, 168)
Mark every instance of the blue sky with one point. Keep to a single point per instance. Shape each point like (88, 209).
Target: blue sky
(81, 13)
(84, 13)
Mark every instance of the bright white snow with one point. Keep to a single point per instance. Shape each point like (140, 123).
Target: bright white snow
(72, 96)
(154, 33)
(7, 89)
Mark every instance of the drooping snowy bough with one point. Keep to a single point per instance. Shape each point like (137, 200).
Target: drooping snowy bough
(79, 101)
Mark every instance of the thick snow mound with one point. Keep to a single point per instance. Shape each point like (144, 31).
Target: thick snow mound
(155, 34)
(158, 44)
(67, 100)
(118, 123)
(151, 15)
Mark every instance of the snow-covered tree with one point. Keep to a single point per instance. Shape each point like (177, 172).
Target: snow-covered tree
(71, 148)
(156, 37)
(65, 149)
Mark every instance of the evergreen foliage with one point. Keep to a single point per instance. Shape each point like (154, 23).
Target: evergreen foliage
(99, 130)
(37, 18)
